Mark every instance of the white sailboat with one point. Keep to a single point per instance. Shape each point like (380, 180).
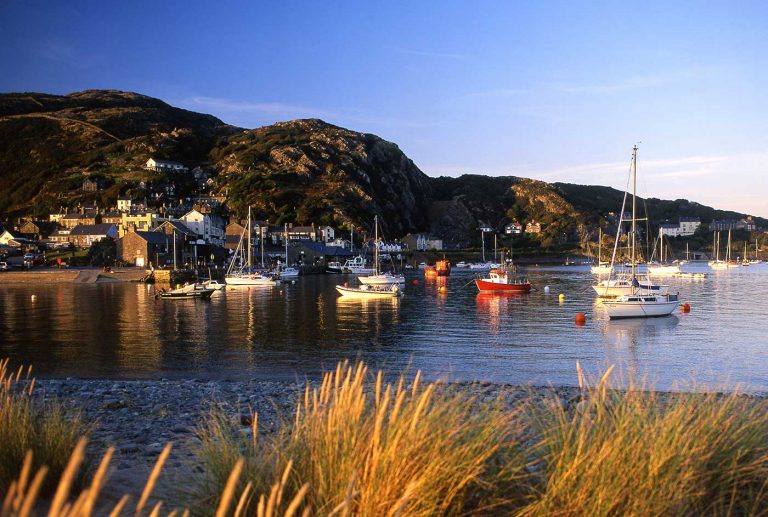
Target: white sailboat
(602, 267)
(378, 278)
(285, 271)
(242, 274)
(722, 264)
(374, 290)
(664, 267)
(639, 303)
(756, 260)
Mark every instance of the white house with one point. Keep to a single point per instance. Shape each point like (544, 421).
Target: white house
(165, 165)
(513, 228)
(669, 229)
(6, 237)
(326, 234)
(124, 204)
(688, 225)
(210, 227)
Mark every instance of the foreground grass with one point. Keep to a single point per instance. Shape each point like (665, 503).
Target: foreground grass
(636, 452)
(390, 450)
(359, 446)
(46, 429)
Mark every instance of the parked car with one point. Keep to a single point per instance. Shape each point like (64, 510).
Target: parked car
(29, 257)
(3, 266)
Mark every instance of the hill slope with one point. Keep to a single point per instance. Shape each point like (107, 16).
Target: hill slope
(301, 171)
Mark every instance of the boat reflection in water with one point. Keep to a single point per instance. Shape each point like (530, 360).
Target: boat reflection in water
(493, 307)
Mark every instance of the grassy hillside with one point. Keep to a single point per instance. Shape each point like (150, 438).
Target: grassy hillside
(301, 171)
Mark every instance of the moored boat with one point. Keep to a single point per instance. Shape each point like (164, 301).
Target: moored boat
(190, 291)
(503, 280)
(639, 303)
(371, 291)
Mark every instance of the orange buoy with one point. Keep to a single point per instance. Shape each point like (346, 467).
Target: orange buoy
(580, 319)
(346, 284)
(686, 307)
(442, 289)
(415, 282)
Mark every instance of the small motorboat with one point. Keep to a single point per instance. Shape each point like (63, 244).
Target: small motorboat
(334, 267)
(371, 291)
(288, 273)
(186, 292)
(214, 284)
(503, 280)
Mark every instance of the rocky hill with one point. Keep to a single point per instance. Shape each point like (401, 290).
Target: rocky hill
(302, 171)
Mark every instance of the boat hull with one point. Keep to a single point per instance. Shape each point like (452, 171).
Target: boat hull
(514, 287)
(249, 280)
(664, 270)
(601, 270)
(381, 279)
(622, 309)
(353, 292)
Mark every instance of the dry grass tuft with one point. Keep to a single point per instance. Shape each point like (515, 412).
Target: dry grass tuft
(48, 430)
(358, 446)
(636, 452)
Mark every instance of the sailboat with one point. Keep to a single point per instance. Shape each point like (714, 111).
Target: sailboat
(384, 285)
(745, 261)
(664, 267)
(639, 303)
(722, 264)
(377, 277)
(241, 274)
(757, 260)
(284, 270)
(603, 266)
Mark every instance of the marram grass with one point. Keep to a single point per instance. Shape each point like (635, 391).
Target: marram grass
(359, 446)
(636, 452)
(48, 430)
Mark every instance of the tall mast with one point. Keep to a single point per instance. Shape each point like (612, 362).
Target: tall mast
(634, 204)
(482, 238)
(495, 243)
(248, 233)
(599, 245)
(375, 244)
(286, 245)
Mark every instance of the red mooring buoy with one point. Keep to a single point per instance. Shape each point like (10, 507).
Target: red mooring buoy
(580, 319)
(685, 308)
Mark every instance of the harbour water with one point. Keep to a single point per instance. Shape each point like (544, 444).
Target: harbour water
(298, 330)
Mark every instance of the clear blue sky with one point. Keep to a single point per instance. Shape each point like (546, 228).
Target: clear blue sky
(558, 91)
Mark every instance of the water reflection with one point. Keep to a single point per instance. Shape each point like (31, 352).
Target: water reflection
(442, 326)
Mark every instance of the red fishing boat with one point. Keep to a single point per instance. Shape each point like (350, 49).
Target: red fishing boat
(503, 280)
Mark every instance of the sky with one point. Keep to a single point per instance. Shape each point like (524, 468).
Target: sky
(553, 90)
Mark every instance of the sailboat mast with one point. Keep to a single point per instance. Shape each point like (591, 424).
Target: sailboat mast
(634, 204)
(249, 239)
(482, 239)
(286, 245)
(495, 245)
(375, 244)
(599, 246)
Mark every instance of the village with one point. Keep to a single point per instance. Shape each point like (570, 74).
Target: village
(164, 230)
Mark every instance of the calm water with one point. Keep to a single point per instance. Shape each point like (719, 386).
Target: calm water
(120, 330)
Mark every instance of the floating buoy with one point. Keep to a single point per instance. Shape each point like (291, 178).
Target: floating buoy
(546, 289)
(34, 297)
(293, 282)
(561, 297)
(686, 307)
(442, 289)
(415, 282)
(580, 319)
